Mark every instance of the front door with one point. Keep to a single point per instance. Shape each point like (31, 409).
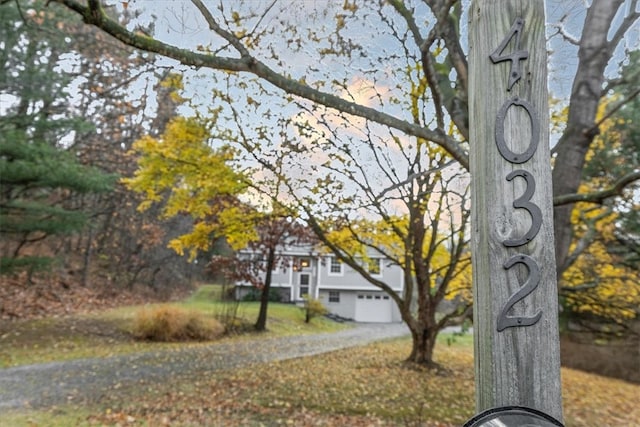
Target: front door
(303, 284)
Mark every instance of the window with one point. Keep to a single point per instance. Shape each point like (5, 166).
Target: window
(304, 285)
(300, 264)
(335, 266)
(375, 266)
(334, 296)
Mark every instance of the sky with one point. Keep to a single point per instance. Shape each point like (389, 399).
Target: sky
(177, 22)
(564, 55)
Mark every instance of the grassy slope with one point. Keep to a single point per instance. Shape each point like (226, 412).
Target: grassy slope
(105, 334)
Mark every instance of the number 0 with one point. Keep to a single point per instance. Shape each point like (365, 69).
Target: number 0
(505, 152)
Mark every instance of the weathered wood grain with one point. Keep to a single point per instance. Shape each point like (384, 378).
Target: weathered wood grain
(519, 365)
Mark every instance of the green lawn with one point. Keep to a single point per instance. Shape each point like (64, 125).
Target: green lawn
(107, 333)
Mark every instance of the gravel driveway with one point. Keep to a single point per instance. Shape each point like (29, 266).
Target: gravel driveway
(88, 380)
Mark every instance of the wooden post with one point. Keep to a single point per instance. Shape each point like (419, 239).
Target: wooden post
(517, 357)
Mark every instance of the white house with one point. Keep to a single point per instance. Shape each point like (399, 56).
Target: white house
(341, 289)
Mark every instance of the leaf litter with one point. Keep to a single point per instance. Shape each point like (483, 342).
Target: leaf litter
(363, 386)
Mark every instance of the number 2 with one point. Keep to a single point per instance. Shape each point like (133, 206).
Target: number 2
(505, 321)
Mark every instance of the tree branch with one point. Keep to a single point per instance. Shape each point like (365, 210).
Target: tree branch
(426, 57)
(628, 21)
(585, 240)
(560, 29)
(618, 106)
(579, 288)
(250, 64)
(599, 196)
(213, 26)
(413, 176)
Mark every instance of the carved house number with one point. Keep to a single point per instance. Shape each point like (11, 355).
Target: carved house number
(523, 202)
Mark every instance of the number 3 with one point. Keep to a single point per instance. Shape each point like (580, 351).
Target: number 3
(523, 202)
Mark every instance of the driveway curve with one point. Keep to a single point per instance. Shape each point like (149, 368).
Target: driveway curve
(88, 380)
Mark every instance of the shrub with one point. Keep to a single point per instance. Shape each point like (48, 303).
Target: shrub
(255, 294)
(228, 293)
(227, 315)
(313, 308)
(168, 323)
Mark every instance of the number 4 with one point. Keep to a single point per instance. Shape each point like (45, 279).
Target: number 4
(515, 57)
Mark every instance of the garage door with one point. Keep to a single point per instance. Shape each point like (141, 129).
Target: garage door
(373, 307)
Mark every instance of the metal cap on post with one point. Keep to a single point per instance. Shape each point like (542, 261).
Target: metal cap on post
(513, 416)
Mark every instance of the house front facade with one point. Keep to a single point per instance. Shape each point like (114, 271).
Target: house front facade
(342, 290)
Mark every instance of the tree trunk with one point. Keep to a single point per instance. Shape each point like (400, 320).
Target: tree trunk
(86, 265)
(424, 331)
(423, 344)
(261, 323)
(594, 54)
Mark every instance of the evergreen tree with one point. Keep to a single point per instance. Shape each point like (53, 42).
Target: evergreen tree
(37, 173)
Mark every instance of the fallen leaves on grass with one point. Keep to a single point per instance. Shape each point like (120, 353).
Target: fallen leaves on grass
(367, 386)
(591, 400)
(373, 382)
(363, 386)
(52, 296)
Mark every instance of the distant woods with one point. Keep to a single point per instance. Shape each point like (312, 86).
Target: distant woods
(73, 102)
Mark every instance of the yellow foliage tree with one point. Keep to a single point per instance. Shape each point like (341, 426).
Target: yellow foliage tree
(186, 175)
(364, 238)
(597, 280)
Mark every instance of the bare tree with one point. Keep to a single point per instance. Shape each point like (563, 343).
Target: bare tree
(393, 68)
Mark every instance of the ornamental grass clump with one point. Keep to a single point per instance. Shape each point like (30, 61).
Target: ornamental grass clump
(167, 323)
